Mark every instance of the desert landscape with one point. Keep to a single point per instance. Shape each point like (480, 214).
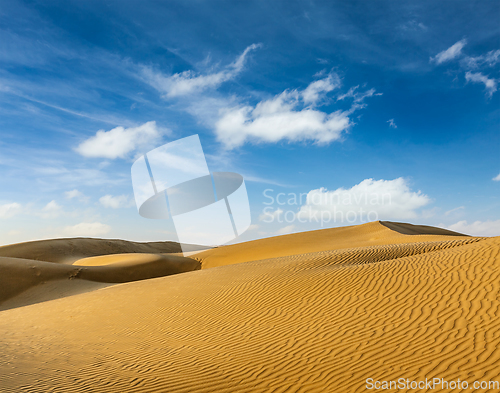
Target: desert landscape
(319, 311)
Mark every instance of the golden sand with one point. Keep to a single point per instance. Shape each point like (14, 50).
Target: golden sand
(314, 312)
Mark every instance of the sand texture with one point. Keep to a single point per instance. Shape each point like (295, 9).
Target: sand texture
(312, 312)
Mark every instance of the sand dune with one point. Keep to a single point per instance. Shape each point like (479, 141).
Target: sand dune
(68, 251)
(371, 234)
(321, 315)
(48, 274)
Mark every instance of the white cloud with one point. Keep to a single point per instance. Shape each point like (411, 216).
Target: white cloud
(385, 199)
(391, 123)
(477, 228)
(115, 202)
(270, 216)
(119, 141)
(284, 117)
(314, 92)
(413, 26)
(51, 210)
(9, 210)
(357, 96)
(496, 178)
(76, 194)
(87, 229)
(489, 60)
(477, 77)
(73, 194)
(189, 82)
(454, 210)
(285, 230)
(449, 54)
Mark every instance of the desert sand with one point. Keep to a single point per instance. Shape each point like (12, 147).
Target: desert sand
(318, 311)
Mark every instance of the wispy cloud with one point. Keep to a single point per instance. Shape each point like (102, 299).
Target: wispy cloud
(76, 194)
(116, 202)
(189, 82)
(392, 123)
(489, 59)
(497, 178)
(86, 229)
(259, 179)
(10, 210)
(413, 26)
(119, 142)
(454, 210)
(449, 54)
(477, 228)
(285, 230)
(356, 95)
(315, 91)
(477, 77)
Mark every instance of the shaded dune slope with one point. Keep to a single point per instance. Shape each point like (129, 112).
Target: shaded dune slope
(313, 321)
(410, 229)
(39, 271)
(19, 275)
(68, 251)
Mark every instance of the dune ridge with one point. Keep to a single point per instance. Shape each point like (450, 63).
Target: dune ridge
(68, 251)
(372, 233)
(413, 306)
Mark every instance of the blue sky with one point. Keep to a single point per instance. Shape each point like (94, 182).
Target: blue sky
(337, 100)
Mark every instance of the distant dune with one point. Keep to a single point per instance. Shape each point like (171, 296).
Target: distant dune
(69, 250)
(45, 270)
(318, 311)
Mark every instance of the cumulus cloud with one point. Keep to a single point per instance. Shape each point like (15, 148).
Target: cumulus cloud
(115, 202)
(189, 82)
(392, 123)
(477, 228)
(51, 210)
(285, 117)
(276, 119)
(119, 141)
(497, 178)
(449, 54)
(376, 199)
(86, 229)
(9, 210)
(477, 77)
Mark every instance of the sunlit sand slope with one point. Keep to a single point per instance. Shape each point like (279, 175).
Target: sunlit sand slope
(70, 250)
(371, 234)
(312, 322)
